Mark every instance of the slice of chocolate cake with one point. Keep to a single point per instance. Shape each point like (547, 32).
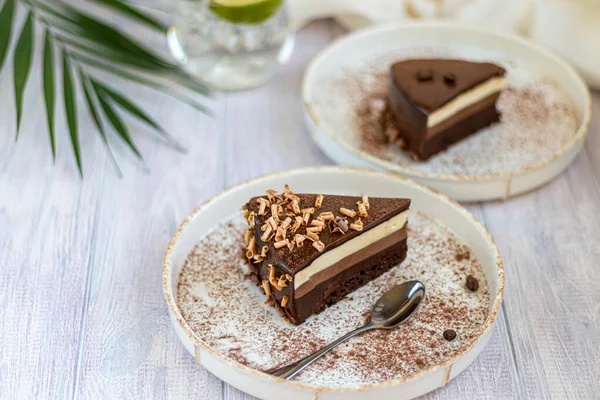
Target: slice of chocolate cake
(436, 103)
(307, 251)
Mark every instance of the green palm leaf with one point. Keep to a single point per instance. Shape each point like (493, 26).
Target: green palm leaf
(96, 117)
(108, 39)
(102, 33)
(48, 77)
(135, 14)
(85, 41)
(134, 110)
(141, 80)
(117, 123)
(108, 53)
(22, 65)
(71, 109)
(6, 21)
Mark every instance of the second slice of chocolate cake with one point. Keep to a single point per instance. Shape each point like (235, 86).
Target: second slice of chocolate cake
(308, 251)
(436, 103)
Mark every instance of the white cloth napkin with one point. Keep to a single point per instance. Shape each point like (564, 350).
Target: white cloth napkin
(569, 27)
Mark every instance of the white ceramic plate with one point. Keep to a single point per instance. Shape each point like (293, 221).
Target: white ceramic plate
(334, 132)
(333, 180)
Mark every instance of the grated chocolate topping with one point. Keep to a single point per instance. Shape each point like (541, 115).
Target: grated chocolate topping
(226, 310)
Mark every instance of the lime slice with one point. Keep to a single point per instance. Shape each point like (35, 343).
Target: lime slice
(245, 11)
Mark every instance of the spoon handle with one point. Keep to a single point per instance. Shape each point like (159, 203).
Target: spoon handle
(289, 371)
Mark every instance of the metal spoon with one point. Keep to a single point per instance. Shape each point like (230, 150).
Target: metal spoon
(393, 308)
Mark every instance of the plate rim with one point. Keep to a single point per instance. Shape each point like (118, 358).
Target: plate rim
(580, 134)
(197, 342)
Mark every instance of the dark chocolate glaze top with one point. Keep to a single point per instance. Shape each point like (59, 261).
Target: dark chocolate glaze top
(381, 209)
(431, 83)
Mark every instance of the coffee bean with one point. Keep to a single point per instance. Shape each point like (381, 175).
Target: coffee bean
(472, 283)
(449, 334)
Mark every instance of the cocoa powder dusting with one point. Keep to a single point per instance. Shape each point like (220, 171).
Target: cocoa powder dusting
(226, 310)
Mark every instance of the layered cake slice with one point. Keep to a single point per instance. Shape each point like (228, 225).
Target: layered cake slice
(436, 103)
(307, 251)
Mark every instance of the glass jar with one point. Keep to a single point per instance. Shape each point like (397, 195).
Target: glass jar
(231, 48)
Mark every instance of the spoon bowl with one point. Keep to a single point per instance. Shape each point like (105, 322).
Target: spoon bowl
(397, 305)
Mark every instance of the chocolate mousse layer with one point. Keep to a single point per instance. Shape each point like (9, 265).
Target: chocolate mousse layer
(307, 251)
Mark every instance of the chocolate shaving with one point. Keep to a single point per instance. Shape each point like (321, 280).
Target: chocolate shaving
(295, 207)
(286, 223)
(312, 236)
(275, 212)
(281, 243)
(264, 203)
(287, 190)
(341, 224)
(267, 235)
(299, 239)
(347, 212)
(317, 222)
(282, 282)
(274, 225)
(319, 201)
(291, 245)
(326, 216)
(247, 236)
(310, 210)
(271, 194)
(320, 246)
(315, 229)
(362, 209)
(297, 224)
(266, 287)
(271, 271)
(250, 218)
(284, 301)
(264, 250)
(251, 244)
(357, 225)
(264, 226)
(305, 218)
(281, 234)
(365, 201)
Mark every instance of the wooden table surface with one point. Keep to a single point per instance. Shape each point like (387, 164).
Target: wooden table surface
(82, 313)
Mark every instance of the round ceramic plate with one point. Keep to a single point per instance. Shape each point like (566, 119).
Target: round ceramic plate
(545, 110)
(198, 335)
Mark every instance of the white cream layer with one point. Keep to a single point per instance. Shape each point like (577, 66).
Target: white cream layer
(466, 99)
(330, 258)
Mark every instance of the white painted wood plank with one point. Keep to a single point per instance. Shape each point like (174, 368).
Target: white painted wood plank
(549, 242)
(48, 220)
(130, 348)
